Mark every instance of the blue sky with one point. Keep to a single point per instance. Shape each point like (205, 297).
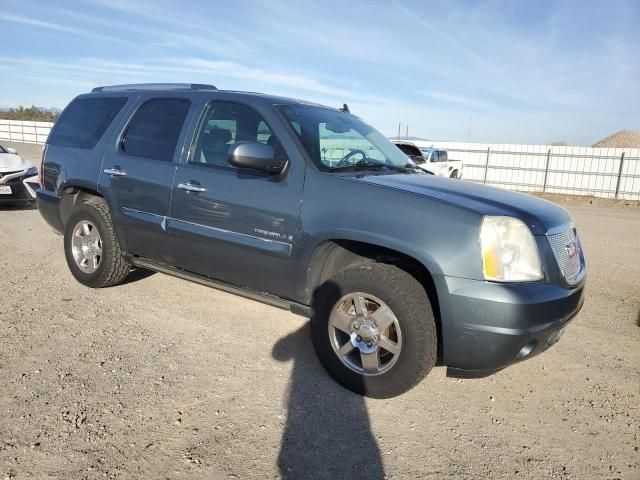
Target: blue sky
(489, 71)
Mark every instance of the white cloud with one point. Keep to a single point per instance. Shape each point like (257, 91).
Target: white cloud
(469, 103)
(37, 23)
(58, 27)
(283, 82)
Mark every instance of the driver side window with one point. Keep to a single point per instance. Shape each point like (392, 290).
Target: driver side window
(222, 125)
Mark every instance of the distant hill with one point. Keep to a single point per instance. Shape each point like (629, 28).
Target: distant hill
(621, 139)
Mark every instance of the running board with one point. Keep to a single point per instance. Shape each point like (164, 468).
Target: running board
(267, 298)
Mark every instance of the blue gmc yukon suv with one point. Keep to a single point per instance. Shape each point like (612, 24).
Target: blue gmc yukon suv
(309, 208)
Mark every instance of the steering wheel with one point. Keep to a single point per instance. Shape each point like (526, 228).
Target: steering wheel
(344, 159)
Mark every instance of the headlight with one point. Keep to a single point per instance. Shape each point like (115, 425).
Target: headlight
(509, 251)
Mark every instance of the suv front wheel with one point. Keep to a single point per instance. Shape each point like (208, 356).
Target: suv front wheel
(373, 330)
(91, 247)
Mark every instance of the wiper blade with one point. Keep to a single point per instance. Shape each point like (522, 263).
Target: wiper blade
(362, 164)
(372, 165)
(410, 168)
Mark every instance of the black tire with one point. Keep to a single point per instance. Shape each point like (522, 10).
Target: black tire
(113, 267)
(454, 174)
(409, 302)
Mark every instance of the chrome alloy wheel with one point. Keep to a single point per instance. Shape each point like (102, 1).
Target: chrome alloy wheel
(86, 246)
(365, 334)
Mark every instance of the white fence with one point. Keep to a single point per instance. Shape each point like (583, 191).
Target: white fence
(24, 131)
(601, 172)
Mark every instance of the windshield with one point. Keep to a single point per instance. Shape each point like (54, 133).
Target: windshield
(337, 140)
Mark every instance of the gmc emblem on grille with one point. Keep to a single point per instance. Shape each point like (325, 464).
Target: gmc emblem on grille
(572, 249)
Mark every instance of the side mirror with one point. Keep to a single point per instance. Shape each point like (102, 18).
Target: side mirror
(11, 150)
(255, 156)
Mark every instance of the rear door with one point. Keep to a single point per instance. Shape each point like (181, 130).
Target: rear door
(236, 225)
(137, 175)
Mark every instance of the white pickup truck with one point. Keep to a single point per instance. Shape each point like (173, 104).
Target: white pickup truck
(431, 159)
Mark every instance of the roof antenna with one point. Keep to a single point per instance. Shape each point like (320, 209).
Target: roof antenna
(345, 108)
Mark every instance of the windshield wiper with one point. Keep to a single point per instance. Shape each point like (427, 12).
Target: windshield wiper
(361, 164)
(373, 165)
(411, 168)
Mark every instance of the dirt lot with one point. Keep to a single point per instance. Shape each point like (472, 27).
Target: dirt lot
(161, 378)
(28, 151)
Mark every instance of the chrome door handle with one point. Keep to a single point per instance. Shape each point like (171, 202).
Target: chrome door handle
(191, 187)
(115, 172)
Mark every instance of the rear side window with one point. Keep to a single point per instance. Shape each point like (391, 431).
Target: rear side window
(85, 121)
(154, 129)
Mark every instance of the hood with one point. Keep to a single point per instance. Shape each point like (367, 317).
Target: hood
(13, 163)
(540, 215)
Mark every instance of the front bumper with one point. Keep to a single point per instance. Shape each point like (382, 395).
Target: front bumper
(23, 188)
(488, 326)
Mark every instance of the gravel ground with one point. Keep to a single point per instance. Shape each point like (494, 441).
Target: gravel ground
(621, 139)
(29, 151)
(162, 378)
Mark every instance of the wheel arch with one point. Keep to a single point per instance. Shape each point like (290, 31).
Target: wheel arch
(334, 255)
(72, 196)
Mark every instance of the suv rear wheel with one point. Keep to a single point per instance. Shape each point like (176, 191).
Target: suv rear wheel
(91, 247)
(373, 330)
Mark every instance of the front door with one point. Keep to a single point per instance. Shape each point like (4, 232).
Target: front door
(137, 176)
(234, 225)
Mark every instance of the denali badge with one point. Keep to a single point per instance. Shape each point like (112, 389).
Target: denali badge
(572, 249)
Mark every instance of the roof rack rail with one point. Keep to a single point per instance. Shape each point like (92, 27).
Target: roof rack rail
(155, 86)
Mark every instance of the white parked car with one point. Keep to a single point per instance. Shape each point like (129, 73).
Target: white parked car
(18, 178)
(431, 159)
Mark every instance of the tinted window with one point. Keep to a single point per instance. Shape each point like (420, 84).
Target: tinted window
(225, 123)
(85, 121)
(442, 156)
(155, 128)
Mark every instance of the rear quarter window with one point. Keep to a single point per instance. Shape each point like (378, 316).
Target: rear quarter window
(84, 122)
(155, 128)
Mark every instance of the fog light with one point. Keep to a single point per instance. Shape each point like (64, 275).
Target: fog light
(527, 349)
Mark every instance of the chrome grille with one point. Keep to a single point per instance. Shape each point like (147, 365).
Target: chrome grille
(561, 244)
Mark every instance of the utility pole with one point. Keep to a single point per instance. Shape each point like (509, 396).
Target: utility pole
(406, 135)
(399, 130)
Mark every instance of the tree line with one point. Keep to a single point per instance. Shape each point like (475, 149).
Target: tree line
(31, 113)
